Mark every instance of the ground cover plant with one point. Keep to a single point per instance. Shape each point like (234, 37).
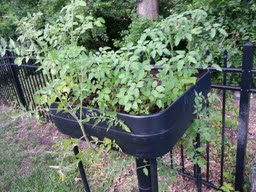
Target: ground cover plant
(25, 156)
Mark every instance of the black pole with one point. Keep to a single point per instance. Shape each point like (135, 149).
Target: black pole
(82, 172)
(246, 80)
(144, 179)
(223, 127)
(154, 177)
(198, 174)
(147, 182)
(16, 80)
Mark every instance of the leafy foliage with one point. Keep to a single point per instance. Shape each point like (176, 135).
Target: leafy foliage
(236, 16)
(116, 13)
(201, 126)
(12, 11)
(229, 12)
(133, 33)
(117, 19)
(119, 80)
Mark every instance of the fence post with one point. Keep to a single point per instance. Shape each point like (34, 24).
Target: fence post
(246, 81)
(197, 168)
(144, 181)
(16, 80)
(82, 172)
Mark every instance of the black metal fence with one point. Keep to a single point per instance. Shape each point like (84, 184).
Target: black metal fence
(19, 83)
(246, 74)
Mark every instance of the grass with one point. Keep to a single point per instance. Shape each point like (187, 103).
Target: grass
(26, 167)
(21, 171)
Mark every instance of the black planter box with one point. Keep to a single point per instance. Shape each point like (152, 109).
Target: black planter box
(152, 135)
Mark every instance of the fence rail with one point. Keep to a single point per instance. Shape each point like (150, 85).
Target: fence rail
(19, 83)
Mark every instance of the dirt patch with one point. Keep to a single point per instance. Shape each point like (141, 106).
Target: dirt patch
(36, 136)
(25, 167)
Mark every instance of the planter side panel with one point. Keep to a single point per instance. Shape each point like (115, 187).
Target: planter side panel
(152, 135)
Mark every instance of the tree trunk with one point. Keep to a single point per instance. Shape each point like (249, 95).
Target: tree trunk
(147, 8)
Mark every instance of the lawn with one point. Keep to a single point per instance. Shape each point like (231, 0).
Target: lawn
(28, 160)
(25, 159)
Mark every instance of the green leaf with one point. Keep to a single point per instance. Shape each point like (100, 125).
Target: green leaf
(160, 52)
(143, 37)
(121, 76)
(66, 89)
(134, 58)
(101, 19)
(177, 40)
(160, 88)
(80, 17)
(208, 58)
(196, 30)
(52, 98)
(217, 67)
(125, 127)
(43, 99)
(155, 93)
(153, 54)
(136, 92)
(140, 84)
(37, 99)
(18, 60)
(154, 84)
(12, 44)
(3, 43)
(89, 17)
(145, 171)
(82, 3)
(89, 25)
(192, 59)
(213, 33)
(159, 103)
(53, 71)
(181, 53)
(189, 37)
(180, 65)
(200, 162)
(135, 106)
(223, 32)
(127, 107)
(98, 23)
(166, 51)
(97, 121)
(200, 149)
